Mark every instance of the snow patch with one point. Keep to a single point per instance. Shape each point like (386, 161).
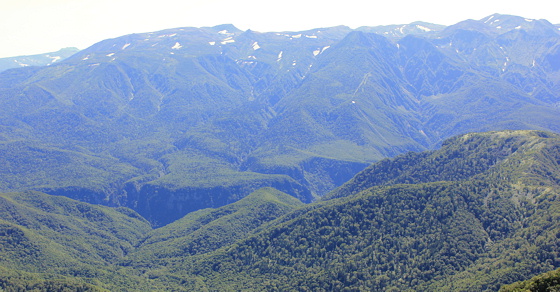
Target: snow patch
(398, 46)
(498, 27)
(225, 32)
(490, 18)
(279, 56)
(21, 64)
(311, 36)
(297, 36)
(401, 29)
(85, 58)
(256, 46)
(176, 46)
(294, 63)
(212, 43)
(518, 27)
(93, 65)
(110, 55)
(167, 35)
(324, 48)
(316, 52)
(423, 28)
(228, 41)
(125, 46)
(54, 59)
(252, 57)
(529, 20)
(534, 63)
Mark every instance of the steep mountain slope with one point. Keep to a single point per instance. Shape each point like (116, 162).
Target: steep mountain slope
(184, 119)
(474, 223)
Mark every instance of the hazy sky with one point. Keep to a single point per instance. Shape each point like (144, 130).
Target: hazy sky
(37, 26)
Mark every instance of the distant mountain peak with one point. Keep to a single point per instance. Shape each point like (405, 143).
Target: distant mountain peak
(228, 27)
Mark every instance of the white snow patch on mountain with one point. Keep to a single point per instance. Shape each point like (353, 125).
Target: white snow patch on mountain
(529, 20)
(85, 58)
(125, 46)
(110, 55)
(212, 43)
(256, 46)
(228, 41)
(54, 59)
(490, 18)
(224, 32)
(518, 27)
(311, 36)
(21, 64)
(316, 52)
(176, 46)
(323, 49)
(297, 36)
(423, 28)
(279, 56)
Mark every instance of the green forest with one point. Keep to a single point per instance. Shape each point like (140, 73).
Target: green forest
(411, 223)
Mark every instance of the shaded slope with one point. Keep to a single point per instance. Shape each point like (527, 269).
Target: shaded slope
(209, 229)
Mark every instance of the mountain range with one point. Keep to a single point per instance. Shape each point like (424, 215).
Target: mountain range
(174, 121)
(413, 157)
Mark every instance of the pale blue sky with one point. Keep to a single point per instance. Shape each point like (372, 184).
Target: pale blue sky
(37, 26)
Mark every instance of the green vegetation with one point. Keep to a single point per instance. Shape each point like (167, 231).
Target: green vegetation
(547, 282)
(480, 212)
(218, 142)
(494, 221)
(209, 229)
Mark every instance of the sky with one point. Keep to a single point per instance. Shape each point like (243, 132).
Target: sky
(39, 26)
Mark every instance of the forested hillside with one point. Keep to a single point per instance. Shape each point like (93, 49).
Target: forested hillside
(493, 224)
(483, 213)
